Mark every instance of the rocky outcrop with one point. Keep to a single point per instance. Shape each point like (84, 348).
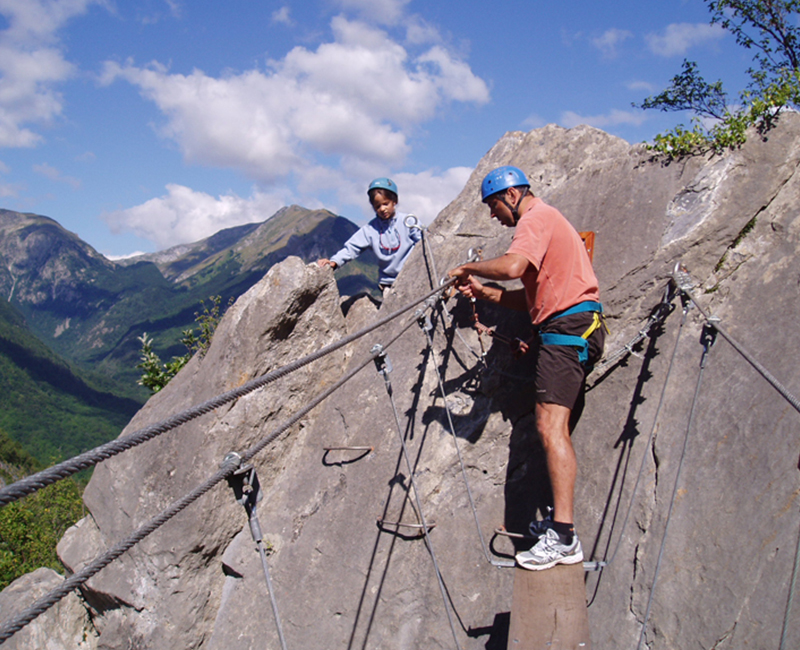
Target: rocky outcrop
(345, 577)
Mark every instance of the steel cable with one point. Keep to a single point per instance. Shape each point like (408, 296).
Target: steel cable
(452, 428)
(649, 439)
(684, 282)
(385, 372)
(103, 452)
(228, 467)
(707, 341)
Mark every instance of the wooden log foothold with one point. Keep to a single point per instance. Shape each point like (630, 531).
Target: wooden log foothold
(548, 610)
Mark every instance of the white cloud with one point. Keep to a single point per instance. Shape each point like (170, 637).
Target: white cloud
(641, 86)
(610, 40)
(354, 96)
(32, 65)
(8, 190)
(48, 171)
(419, 31)
(383, 12)
(678, 38)
(614, 118)
(426, 194)
(185, 215)
(282, 15)
(534, 121)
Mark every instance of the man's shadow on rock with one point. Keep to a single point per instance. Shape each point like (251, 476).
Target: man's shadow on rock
(499, 383)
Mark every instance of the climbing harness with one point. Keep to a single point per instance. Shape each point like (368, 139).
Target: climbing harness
(247, 492)
(570, 340)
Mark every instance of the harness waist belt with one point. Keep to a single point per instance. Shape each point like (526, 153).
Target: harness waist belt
(586, 305)
(579, 342)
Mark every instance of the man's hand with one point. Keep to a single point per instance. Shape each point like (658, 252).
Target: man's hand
(466, 283)
(326, 262)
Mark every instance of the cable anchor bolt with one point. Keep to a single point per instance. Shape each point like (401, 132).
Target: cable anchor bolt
(682, 278)
(247, 492)
(424, 320)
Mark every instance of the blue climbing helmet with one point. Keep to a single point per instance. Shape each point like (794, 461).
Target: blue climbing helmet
(501, 179)
(382, 184)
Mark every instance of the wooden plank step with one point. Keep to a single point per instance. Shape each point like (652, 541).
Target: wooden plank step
(548, 610)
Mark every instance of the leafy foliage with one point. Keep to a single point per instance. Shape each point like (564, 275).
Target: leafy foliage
(155, 373)
(771, 29)
(30, 528)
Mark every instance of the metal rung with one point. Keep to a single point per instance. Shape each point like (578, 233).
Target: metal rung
(400, 524)
(349, 448)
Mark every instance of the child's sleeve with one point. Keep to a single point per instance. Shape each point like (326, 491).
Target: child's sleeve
(352, 248)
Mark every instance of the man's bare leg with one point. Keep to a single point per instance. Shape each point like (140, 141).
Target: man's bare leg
(552, 422)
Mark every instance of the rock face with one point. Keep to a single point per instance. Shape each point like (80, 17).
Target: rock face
(345, 576)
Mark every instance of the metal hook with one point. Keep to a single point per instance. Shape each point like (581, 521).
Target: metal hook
(411, 222)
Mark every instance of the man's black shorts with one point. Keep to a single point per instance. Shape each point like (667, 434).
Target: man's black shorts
(560, 377)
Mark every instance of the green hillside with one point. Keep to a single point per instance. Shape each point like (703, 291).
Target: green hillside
(53, 411)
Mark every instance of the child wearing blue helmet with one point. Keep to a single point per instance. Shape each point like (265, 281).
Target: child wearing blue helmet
(388, 235)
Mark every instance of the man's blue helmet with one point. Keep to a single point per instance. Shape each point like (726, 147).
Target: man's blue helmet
(501, 179)
(383, 184)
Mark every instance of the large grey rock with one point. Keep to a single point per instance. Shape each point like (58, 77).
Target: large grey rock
(65, 625)
(344, 580)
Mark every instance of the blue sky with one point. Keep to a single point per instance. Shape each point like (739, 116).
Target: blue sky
(141, 125)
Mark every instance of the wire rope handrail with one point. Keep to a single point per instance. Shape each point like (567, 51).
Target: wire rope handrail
(31, 484)
(656, 417)
(684, 282)
(229, 465)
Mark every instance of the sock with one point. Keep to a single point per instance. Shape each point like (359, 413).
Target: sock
(565, 531)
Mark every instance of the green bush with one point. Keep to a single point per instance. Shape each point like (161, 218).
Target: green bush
(157, 374)
(31, 527)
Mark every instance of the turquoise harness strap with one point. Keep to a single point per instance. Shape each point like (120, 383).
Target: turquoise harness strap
(579, 342)
(552, 338)
(586, 305)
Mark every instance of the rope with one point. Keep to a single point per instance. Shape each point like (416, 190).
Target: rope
(10, 627)
(657, 317)
(90, 458)
(684, 282)
(650, 437)
(383, 370)
(228, 467)
(707, 340)
(426, 327)
(790, 599)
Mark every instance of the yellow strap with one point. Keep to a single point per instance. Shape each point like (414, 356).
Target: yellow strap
(597, 323)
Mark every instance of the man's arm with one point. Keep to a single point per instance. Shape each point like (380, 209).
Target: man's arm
(507, 267)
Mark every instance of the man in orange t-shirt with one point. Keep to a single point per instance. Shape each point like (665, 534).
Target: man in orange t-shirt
(561, 294)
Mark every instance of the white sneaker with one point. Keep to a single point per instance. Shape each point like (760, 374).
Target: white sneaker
(549, 551)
